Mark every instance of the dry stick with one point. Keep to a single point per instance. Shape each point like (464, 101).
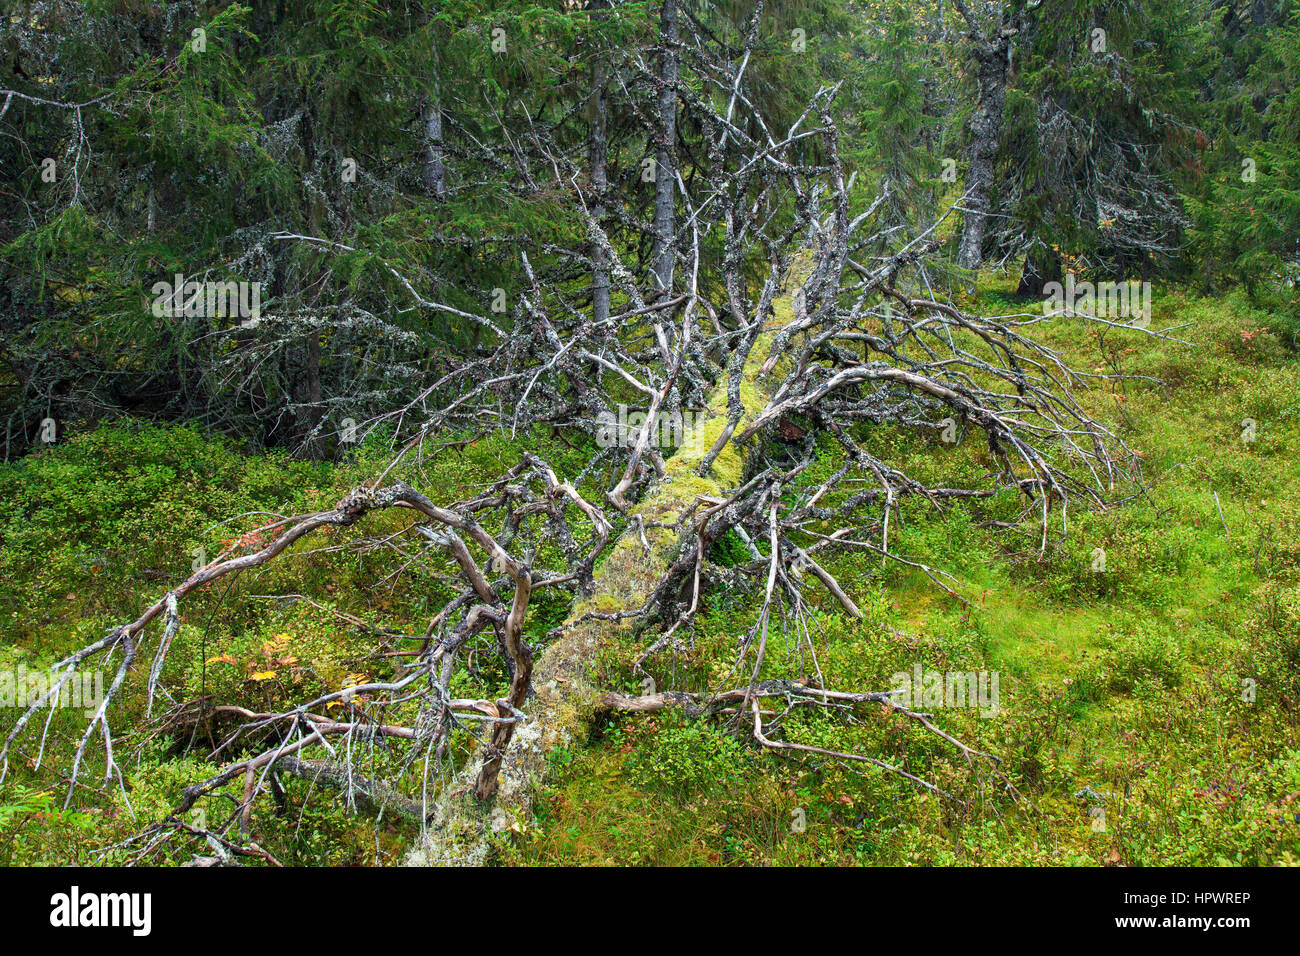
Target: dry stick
(840, 755)
(831, 584)
(698, 705)
(764, 615)
(1221, 518)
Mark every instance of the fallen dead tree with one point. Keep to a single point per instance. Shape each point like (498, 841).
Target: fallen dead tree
(785, 343)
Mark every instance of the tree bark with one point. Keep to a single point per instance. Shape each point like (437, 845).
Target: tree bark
(665, 156)
(992, 66)
(991, 52)
(435, 169)
(598, 155)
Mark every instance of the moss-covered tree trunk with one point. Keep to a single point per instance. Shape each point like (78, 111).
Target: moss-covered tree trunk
(566, 694)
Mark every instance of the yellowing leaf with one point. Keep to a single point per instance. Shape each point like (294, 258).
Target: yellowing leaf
(263, 675)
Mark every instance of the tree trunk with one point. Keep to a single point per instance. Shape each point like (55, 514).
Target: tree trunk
(1041, 267)
(563, 702)
(435, 170)
(314, 412)
(598, 153)
(992, 64)
(665, 158)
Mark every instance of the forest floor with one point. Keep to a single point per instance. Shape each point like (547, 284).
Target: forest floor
(1148, 713)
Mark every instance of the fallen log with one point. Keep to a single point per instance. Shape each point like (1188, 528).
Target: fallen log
(565, 701)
